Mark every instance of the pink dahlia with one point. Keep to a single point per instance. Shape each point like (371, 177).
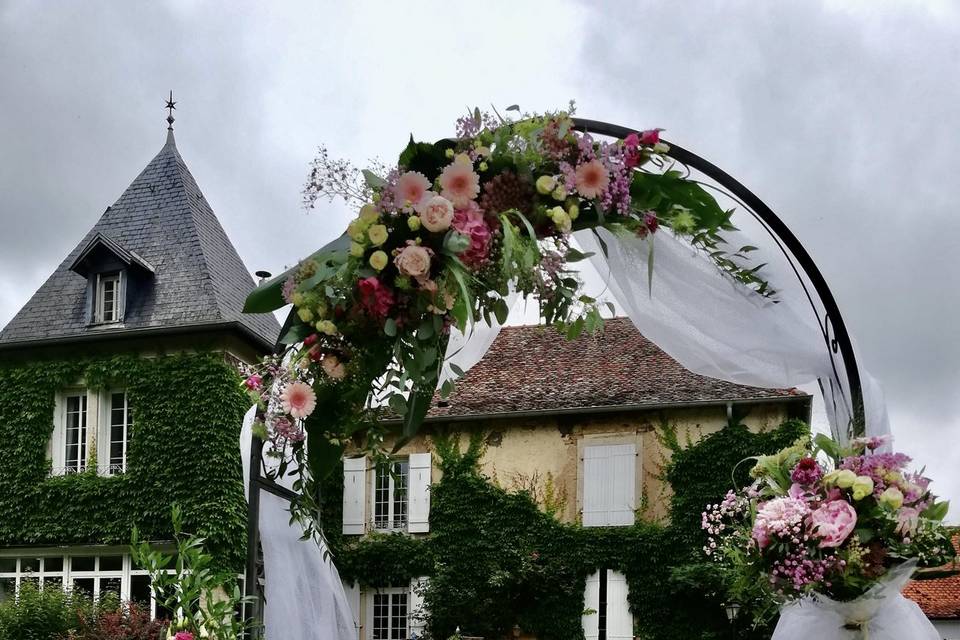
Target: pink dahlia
(807, 472)
(833, 523)
(375, 297)
(411, 187)
(592, 179)
(298, 399)
(459, 182)
(471, 223)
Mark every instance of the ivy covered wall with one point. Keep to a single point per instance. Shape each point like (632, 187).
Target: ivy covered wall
(495, 559)
(187, 411)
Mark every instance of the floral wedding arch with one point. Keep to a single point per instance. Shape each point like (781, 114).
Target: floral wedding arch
(447, 239)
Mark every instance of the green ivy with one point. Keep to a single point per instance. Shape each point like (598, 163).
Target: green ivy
(187, 410)
(495, 560)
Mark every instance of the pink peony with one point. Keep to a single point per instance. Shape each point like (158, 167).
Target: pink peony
(833, 523)
(592, 179)
(183, 635)
(436, 214)
(470, 222)
(414, 261)
(298, 399)
(411, 188)
(779, 517)
(375, 298)
(459, 183)
(254, 382)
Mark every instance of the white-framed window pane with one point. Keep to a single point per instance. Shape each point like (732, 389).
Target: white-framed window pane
(108, 298)
(390, 495)
(120, 421)
(390, 614)
(75, 433)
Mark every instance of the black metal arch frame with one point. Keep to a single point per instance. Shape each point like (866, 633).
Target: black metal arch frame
(790, 246)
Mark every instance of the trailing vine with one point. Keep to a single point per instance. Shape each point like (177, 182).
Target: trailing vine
(183, 449)
(495, 559)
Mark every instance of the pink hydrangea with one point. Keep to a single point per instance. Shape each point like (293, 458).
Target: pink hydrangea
(471, 223)
(833, 523)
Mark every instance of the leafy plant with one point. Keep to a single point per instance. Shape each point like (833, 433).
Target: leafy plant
(204, 600)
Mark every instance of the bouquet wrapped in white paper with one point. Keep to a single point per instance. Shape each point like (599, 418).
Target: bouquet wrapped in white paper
(882, 613)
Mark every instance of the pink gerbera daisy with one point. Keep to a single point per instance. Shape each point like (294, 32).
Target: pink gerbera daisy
(459, 182)
(592, 179)
(410, 189)
(298, 399)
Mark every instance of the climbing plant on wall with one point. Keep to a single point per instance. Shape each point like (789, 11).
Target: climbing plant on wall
(494, 559)
(187, 415)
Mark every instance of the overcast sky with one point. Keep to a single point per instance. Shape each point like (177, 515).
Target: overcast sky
(843, 116)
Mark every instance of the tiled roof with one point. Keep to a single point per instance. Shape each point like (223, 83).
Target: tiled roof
(532, 368)
(163, 219)
(938, 597)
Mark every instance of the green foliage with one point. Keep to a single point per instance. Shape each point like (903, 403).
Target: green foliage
(41, 615)
(495, 559)
(193, 589)
(188, 410)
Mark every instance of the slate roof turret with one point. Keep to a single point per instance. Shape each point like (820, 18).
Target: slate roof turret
(199, 281)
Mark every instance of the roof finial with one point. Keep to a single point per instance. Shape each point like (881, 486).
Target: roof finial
(170, 107)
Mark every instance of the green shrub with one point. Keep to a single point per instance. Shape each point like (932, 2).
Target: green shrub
(41, 615)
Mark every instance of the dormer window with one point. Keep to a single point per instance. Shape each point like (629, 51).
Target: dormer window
(113, 275)
(108, 298)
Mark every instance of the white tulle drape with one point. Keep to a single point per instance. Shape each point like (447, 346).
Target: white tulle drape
(716, 327)
(305, 599)
(880, 614)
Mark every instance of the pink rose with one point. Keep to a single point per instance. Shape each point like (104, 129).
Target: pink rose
(833, 523)
(414, 261)
(436, 214)
(650, 136)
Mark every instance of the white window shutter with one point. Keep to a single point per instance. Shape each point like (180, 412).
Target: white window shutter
(57, 437)
(609, 483)
(418, 493)
(416, 616)
(619, 618)
(354, 495)
(353, 599)
(591, 604)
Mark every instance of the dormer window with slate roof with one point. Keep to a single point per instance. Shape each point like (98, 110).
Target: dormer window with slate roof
(109, 269)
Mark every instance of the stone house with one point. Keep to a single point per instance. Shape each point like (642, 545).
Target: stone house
(119, 393)
(575, 422)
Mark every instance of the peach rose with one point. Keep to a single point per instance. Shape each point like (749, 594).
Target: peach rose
(413, 261)
(436, 214)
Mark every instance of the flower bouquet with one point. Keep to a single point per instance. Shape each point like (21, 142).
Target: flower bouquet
(831, 534)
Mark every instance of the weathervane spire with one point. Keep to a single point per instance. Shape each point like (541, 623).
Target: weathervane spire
(171, 105)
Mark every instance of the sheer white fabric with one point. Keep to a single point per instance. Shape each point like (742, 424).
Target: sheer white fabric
(715, 327)
(880, 614)
(466, 350)
(305, 599)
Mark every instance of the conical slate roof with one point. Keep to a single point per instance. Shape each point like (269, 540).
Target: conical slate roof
(198, 280)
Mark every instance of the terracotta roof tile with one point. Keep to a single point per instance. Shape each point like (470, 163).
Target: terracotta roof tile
(938, 597)
(535, 368)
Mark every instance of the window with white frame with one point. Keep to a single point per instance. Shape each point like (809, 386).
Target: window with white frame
(73, 445)
(389, 615)
(115, 432)
(89, 421)
(390, 495)
(91, 573)
(108, 298)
